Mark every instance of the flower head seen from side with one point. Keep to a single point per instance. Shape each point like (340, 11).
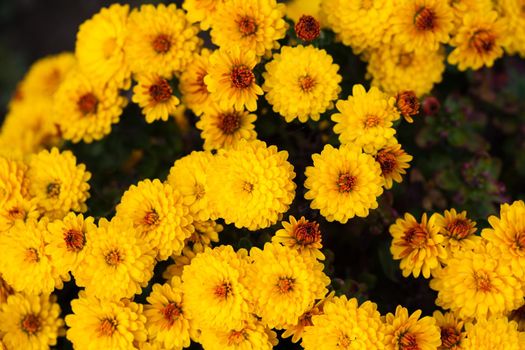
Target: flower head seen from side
(231, 80)
(407, 104)
(155, 96)
(493, 333)
(194, 91)
(407, 332)
(30, 321)
(302, 234)
(452, 334)
(457, 229)
(301, 82)
(343, 182)
(201, 11)
(418, 245)
(252, 25)
(251, 185)
(105, 324)
(285, 283)
(100, 46)
(365, 119)
(223, 128)
(160, 40)
(393, 161)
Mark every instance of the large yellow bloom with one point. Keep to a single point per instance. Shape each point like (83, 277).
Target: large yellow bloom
(155, 96)
(343, 182)
(478, 283)
(404, 331)
(301, 82)
(251, 185)
(284, 283)
(452, 334)
(366, 118)
(393, 161)
(513, 13)
(230, 79)
(104, 324)
(457, 230)
(100, 46)
(344, 324)
(201, 11)
(302, 234)
(195, 94)
(494, 333)
(160, 40)
(30, 322)
(252, 25)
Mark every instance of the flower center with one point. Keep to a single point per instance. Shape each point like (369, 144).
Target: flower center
(346, 183)
(199, 191)
(450, 337)
(247, 26)
(161, 91)
(519, 241)
(171, 313)
(53, 190)
(306, 83)
(307, 28)
(405, 59)
(74, 239)
(407, 103)
(241, 77)
(307, 233)
(151, 217)
(113, 257)
(372, 121)
(416, 236)
(408, 341)
(285, 285)
(482, 282)
(425, 19)
(247, 187)
(237, 337)
(31, 324)
(344, 341)
(483, 41)
(161, 44)
(459, 228)
(107, 327)
(16, 213)
(387, 161)
(229, 122)
(223, 290)
(32, 255)
(87, 104)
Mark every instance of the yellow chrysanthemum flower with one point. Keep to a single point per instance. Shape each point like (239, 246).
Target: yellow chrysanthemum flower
(343, 182)
(344, 324)
(189, 176)
(478, 41)
(160, 40)
(514, 16)
(13, 179)
(100, 46)
(301, 82)
(421, 25)
(215, 289)
(404, 331)
(68, 240)
(494, 333)
(303, 235)
(30, 322)
(360, 24)
(284, 283)
(205, 233)
(85, 110)
(230, 79)
(478, 283)
(117, 265)
(393, 161)
(452, 335)
(194, 91)
(201, 11)
(366, 118)
(104, 324)
(167, 323)
(393, 69)
(418, 245)
(223, 128)
(155, 96)
(457, 230)
(252, 25)
(251, 185)
(17, 209)
(159, 216)
(58, 182)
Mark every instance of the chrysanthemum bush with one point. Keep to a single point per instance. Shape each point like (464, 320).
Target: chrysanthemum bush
(235, 175)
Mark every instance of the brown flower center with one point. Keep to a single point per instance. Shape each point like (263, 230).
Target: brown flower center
(151, 218)
(407, 103)
(404, 60)
(346, 183)
(74, 239)
(32, 255)
(425, 19)
(31, 324)
(53, 190)
(161, 44)
(450, 337)
(387, 161)
(247, 187)
(483, 283)
(408, 341)
(247, 26)
(160, 91)
(307, 28)
(306, 83)
(519, 241)
(229, 123)
(285, 285)
(223, 290)
(171, 313)
(87, 103)
(483, 41)
(307, 233)
(16, 213)
(241, 77)
(371, 121)
(416, 236)
(107, 327)
(237, 337)
(459, 228)
(113, 257)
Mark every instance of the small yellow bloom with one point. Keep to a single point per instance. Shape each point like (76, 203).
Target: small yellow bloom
(303, 235)
(155, 96)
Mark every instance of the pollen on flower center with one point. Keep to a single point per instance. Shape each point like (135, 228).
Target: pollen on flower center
(151, 217)
(307, 28)
(161, 91)
(107, 327)
(237, 337)
(408, 341)
(199, 191)
(483, 41)
(53, 190)
(307, 233)
(450, 337)
(32, 255)
(387, 161)
(87, 103)
(344, 341)
(223, 290)
(247, 26)
(31, 324)
(346, 183)
(161, 44)
(425, 19)
(241, 77)
(171, 313)
(483, 283)
(113, 257)
(459, 228)
(74, 240)
(285, 285)
(371, 121)
(307, 83)
(416, 236)
(229, 122)
(247, 187)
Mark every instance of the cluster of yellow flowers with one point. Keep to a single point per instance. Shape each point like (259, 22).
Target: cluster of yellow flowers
(479, 278)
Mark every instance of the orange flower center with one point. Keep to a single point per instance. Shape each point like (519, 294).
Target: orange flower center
(171, 313)
(450, 337)
(346, 183)
(241, 77)
(459, 228)
(344, 341)
(483, 41)
(107, 327)
(32, 255)
(161, 44)
(113, 257)
(161, 91)
(387, 161)
(229, 123)
(53, 190)
(247, 187)
(223, 290)
(306, 83)
(247, 26)
(408, 341)
(16, 213)
(425, 19)
(237, 337)
(407, 103)
(285, 285)
(88, 103)
(307, 233)
(151, 218)
(74, 240)
(416, 236)
(371, 121)
(482, 282)
(307, 28)
(31, 324)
